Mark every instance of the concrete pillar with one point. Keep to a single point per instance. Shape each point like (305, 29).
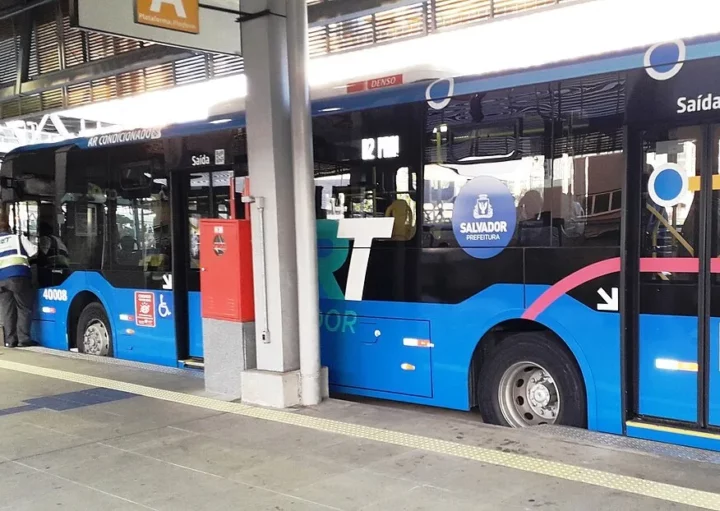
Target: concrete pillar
(313, 378)
(229, 350)
(276, 381)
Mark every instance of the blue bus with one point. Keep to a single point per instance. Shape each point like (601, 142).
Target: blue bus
(542, 244)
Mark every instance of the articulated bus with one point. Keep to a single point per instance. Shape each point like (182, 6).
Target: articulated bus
(550, 250)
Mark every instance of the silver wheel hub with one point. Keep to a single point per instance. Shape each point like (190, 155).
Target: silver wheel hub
(539, 395)
(96, 339)
(528, 395)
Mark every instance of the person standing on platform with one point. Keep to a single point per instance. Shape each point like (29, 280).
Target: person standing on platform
(16, 289)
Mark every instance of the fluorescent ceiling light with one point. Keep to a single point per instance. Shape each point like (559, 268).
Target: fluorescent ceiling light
(554, 35)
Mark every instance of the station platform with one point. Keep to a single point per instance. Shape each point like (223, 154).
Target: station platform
(98, 434)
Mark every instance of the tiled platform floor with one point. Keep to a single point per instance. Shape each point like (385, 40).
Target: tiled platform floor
(69, 446)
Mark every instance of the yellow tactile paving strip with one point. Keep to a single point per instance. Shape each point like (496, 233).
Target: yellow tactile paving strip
(627, 484)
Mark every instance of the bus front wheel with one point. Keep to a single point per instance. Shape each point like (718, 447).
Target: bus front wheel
(530, 379)
(94, 335)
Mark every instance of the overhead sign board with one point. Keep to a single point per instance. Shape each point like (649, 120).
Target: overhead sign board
(178, 15)
(181, 23)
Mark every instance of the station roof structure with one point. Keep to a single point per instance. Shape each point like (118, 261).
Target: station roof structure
(47, 65)
(58, 81)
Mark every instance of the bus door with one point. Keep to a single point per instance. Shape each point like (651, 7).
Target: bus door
(212, 193)
(673, 275)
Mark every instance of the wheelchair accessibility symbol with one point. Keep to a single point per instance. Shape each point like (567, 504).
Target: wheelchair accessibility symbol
(163, 309)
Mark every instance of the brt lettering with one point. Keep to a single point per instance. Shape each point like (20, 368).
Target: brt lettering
(333, 249)
(333, 321)
(332, 254)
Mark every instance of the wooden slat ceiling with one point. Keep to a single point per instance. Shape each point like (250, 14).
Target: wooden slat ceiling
(51, 28)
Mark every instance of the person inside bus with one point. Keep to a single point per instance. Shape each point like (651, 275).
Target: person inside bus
(128, 253)
(402, 214)
(16, 288)
(534, 226)
(52, 251)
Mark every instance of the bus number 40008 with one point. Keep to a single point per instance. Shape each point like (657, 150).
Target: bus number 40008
(56, 295)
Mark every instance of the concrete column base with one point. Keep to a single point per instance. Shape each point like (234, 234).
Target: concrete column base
(277, 390)
(324, 383)
(229, 351)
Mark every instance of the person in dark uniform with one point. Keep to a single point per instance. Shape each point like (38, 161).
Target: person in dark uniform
(16, 289)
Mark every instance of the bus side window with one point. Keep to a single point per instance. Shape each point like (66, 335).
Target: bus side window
(141, 236)
(84, 214)
(329, 200)
(23, 218)
(366, 166)
(388, 193)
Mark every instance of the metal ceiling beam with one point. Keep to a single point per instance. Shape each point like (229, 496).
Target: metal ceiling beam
(24, 26)
(14, 11)
(337, 11)
(149, 56)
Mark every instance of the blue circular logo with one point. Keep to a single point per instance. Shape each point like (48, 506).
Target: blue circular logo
(667, 185)
(484, 217)
(665, 60)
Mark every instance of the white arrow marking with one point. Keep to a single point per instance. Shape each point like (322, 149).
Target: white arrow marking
(167, 279)
(611, 301)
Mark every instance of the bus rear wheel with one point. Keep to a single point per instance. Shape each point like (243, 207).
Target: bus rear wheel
(529, 379)
(94, 336)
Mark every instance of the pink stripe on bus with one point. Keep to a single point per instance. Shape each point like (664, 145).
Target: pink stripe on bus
(608, 266)
(569, 283)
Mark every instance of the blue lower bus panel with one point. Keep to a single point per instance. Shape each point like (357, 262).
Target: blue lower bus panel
(669, 394)
(142, 321)
(195, 332)
(387, 355)
(44, 332)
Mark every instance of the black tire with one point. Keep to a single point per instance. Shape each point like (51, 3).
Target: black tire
(94, 313)
(536, 348)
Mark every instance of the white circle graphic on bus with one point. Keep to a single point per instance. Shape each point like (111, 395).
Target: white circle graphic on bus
(668, 184)
(439, 97)
(665, 60)
(484, 217)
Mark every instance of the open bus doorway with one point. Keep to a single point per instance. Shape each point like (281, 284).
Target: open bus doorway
(215, 192)
(674, 299)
